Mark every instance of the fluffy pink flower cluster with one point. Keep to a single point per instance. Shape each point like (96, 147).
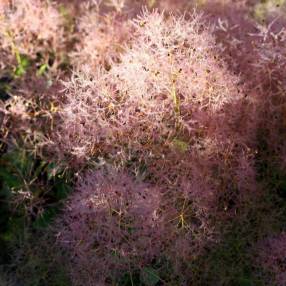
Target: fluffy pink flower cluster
(30, 26)
(101, 38)
(32, 38)
(113, 224)
(185, 109)
(258, 54)
(171, 113)
(168, 102)
(149, 89)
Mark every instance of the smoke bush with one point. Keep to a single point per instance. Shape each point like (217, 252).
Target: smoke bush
(30, 114)
(169, 101)
(169, 112)
(100, 38)
(258, 53)
(114, 224)
(186, 112)
(30, 27)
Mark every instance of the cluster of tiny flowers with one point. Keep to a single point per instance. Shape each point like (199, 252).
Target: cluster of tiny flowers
(145, 106)
(100, 38)
(31, 37)
(258, 53)
(113, 224)
(182, 112)
(30, 26)
(170, 107)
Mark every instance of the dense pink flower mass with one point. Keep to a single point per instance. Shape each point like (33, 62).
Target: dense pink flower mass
(114, 223)
(169, 105)
(30, 26)
(170, 85)
(110, 216)
(257, 52)
(167, 118)
(170, 112)
(101, 38)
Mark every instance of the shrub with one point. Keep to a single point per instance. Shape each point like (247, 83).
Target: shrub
(257, 52)
(169, 112)
(175, 126)
(169, 106)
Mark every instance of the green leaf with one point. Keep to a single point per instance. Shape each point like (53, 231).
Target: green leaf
(52, 170)
(18, 161)
(149, 276)
(16, 229)
(25, 62)
(62, 190)
(9, 179)
(23, 65)
(45, 219)
(244, 282)
(39, 169)
(42, 69)
(19, 71)
(180, 145)
(16, 166)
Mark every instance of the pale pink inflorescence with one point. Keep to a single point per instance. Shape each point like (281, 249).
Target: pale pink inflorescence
(31, 26)
(168, 102)
(101, 38)
(31, 36)
(171, 113)
(158, 98)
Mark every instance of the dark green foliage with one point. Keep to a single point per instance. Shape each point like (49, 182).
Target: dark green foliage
(24, 218)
